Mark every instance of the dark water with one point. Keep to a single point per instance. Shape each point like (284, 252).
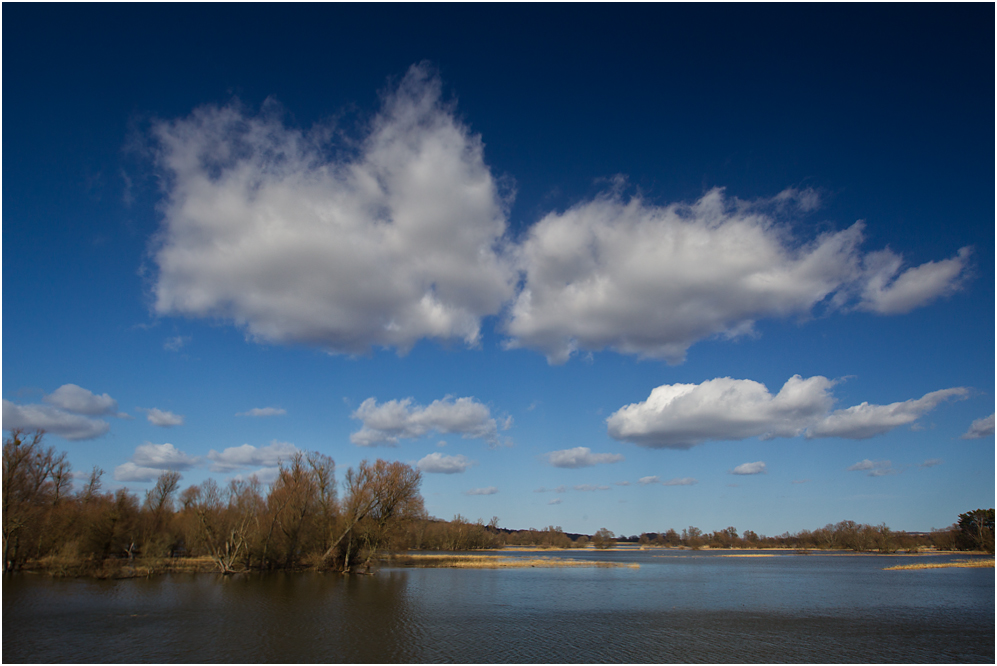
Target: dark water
(686, 607)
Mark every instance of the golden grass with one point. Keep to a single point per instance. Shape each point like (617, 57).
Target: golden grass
(958, 564)
(498, 562)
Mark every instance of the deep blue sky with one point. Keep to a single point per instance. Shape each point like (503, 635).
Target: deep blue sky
(880, 113)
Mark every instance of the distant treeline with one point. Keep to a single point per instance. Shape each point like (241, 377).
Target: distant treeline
(302, 520)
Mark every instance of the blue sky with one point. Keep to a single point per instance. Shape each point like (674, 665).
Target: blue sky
(636, 268)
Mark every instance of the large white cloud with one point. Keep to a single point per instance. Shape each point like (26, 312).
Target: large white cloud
(652, 280)
(247, 455)
(266, 226)
(580, 456)
(401, 419)
(680, 416)
(401, 236)
(437, 463)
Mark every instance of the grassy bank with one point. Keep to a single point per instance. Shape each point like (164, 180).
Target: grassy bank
(958, 564)
(495, 562)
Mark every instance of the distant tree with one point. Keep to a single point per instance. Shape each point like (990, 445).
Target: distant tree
(692, 537)
(976, 530)
(379, 497)
(603, 538)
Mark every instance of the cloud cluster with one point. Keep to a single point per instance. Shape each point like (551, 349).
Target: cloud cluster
(402, 236)
(437, 463)
(68, 413)
(580, 456)
(980, 428)
(680, 416)
(150, 460)
(388, 422)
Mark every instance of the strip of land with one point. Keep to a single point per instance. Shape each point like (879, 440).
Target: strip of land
(497, 562)
(957, 564)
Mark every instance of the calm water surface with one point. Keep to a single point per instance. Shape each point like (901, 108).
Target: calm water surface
(680, 607)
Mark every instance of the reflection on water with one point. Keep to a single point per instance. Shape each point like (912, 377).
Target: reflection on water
(684, 608)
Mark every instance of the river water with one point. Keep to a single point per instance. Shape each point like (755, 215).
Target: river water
(679, 606)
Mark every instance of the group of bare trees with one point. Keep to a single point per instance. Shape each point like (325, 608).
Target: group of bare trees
(298, 520)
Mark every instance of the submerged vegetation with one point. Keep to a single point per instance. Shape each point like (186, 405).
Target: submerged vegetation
(305, 519)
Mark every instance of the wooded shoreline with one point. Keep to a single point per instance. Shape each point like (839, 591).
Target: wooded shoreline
(305, 521)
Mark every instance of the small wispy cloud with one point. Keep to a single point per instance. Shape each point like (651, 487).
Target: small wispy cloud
(980, 428)
(932, 462)
(580, 456)
(490, 490)
(874, 467)
(176, 343)
(648, 480)
(163, 418)
(684, 481)
(750, 468)
(261, 412)
(588, 487)
(556, 500)
(437, 463)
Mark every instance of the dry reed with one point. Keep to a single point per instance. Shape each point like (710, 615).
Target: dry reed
(497, 562)
(958, 564)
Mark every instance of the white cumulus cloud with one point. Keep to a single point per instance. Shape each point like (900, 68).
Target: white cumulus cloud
(680, 416)
(580, 456)
(980, 428)
(52, 420)
(750, 468)
(247, 455)
(401, 235)
(647, 480)
(401, 419)
(652, 280)
(150, 460)
(68, 413)
(889, 291)
(437, 463)
(865, 420)
(79, 400)
(275, 229)
(163, 418)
